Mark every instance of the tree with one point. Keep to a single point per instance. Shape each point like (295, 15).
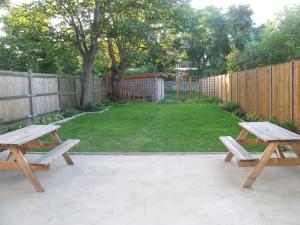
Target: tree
(30, 43)
(131, 24)
(208, 41)
(80, 22)
(239, 24)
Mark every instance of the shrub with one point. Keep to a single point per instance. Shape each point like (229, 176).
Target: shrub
(94, 107)
(70, 112)
(239, 113)
(231, 106)
(290, 125)
(252, 117)
(213, 99)
(273, 119)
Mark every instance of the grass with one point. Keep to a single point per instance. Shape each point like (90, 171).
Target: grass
(150, 127)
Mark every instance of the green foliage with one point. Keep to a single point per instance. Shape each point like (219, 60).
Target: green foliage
(239, 23)
(252, 117)
(274, 119)
(43, 120)
(239, 113)
(94, 107)
(290, 125)
(231, 106)
(31, 44)
(70, 112)
(212, 99)
(275, 42)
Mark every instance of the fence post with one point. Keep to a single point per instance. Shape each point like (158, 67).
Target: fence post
(177, 89)
(292, 90)
(59, 91)
(246, 91)
(271, 91)
(214, 90)
(230, 77)
(237, 88)
(32, 113)
(190, 88)
(256, 105)
(75, 91)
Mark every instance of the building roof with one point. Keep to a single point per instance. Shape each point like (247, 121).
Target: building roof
(146, 75)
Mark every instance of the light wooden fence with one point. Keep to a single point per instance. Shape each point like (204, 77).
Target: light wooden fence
(26, 95)
(268, 91)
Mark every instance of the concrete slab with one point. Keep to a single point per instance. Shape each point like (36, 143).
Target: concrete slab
(151, 190)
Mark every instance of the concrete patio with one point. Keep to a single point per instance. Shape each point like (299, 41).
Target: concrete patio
(188, 189)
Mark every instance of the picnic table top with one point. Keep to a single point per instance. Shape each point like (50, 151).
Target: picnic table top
(26, 134)
(269, 132)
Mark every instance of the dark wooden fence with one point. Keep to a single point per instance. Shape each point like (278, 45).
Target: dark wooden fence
(267, 91)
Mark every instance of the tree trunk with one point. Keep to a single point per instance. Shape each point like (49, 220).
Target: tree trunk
(115, 84)
(86, 84)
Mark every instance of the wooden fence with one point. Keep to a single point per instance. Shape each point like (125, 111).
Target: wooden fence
(26, 95)
(268, 91)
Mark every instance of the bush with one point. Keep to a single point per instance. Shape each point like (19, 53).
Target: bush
(252, 117)
(212, 99)
(239, 113)
(274, 120)
(94, 107)
(70, 112)
(48, 119)
(231, 106)
(290, 125)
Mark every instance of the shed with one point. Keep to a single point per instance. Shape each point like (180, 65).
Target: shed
(148, 87)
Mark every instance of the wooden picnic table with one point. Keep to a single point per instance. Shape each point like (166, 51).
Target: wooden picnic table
(14, 145)
(268, 134)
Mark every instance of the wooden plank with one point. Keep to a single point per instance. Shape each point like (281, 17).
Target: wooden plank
(16, 166)
(263, 160)
(27, 169)
(264, 92)
(272, 162)
(26, 134)
(57, 152)
(242, 89)
(237, 150)
(251, 91)
(281, 91)
(269, 132)
(296, 93)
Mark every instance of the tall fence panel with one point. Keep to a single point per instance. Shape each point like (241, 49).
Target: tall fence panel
(26, 95)
(234, 87)
(242, 83)
(268, 91)
(264, 92)
(251, 91)
(15, 100)
(296, 92)
(281, 91)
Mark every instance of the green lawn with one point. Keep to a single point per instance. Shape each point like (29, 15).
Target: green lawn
(150, 127)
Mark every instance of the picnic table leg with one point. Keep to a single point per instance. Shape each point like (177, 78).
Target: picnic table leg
(242, 136)
(27, 169)
(66, 156)
(260, 164)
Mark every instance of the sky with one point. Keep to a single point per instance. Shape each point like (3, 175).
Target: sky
(263, 10)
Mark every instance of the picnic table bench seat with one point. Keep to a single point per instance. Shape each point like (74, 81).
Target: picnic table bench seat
(236, 149)
(14, 145)
(56, 152)
(268, 134)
